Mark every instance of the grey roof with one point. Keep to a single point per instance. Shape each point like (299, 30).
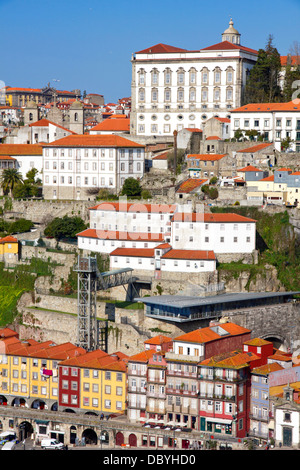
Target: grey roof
(182, 301)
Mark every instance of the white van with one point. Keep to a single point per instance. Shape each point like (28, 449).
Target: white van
(51, 444)
(10, 445)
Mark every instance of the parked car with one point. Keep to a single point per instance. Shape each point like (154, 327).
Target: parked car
(51, 444)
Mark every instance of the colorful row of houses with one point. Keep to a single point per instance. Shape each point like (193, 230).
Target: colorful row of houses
(215, 380)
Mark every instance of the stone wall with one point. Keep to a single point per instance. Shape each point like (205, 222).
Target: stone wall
(40, 211)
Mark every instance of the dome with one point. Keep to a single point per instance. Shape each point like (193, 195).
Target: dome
(231, 29)
(231, 34)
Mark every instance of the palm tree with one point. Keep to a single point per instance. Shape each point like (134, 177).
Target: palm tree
(9, 178)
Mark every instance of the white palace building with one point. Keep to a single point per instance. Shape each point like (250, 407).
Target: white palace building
(174, 88)
(169, 238)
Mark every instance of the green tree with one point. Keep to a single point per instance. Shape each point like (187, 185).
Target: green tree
(9, 178)
(262, 83)
(131, 188)
(66, 227)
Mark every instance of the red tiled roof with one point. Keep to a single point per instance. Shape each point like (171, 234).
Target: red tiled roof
(268, 178)
(231, 360)
(45, 123)
(160, 49)
(263, 107)
(249, 168)
(190, 185)
(283, 169)
(8, 239)
(222, 119)
(213, 137)
(210, 218)
(207, 157)
(135, 252)
(109, 140)
(190, 254)
(294, 60)
(143, 356)
(226, 45)
(159, 339)
(207, 334)
(21, 149)
(162, 156)
(6, 157)
(255, 148)
(119, 235)
(113, 125)
(135, 207)
(193, 129)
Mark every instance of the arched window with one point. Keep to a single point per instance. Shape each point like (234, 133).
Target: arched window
(30, 116)
(142, 77)
(192, 94)
(154, 94)
(168, 76)
(229, 93)
(204, 94)
(193, 76)
(180, 76)
(154, 77)
(76, 117)
(217, 94)
(141, 94)
(217, 75)
(180, 94)
(204, 76)
(167, 94)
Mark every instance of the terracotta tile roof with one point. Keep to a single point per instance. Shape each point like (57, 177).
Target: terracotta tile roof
(296, 173)
(211, 157)
(190, 254)
(8, 239)
(143, 356)
(135, 207)
(7, 333)
(265, 107)
(267, 368)
(21, 149)
(284, 169)
(231, 360)
(193, 129)
(162, 156)
(190, 185)
(87, 140)
(207, 334)
(227, 120)
(249, 168)
(160, 49)
(115, 235)
(134, 252)
(226, 45)
(6, 157)
(45, 123)
(210, 218)
(113, 125)
(159, 339)
(268, 178)
(257, 342)
(255, 148)
(294, 60)
(213, 137)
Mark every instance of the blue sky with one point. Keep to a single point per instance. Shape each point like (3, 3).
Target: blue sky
(88, 44)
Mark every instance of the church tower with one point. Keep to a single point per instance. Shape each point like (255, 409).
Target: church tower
(231, 34)
(76, 116)
(31, 113)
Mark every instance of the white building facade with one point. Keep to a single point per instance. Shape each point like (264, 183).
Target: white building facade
(174, 88)
(77, 166)
(274, 121)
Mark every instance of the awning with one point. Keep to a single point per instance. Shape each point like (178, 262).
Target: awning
(219, 420)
